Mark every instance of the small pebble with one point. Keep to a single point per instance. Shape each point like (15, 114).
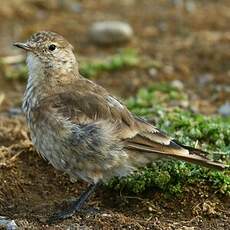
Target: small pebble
(77, 226)
(223, 88)
(110, 32)
(15, 111)
(7, 223)
(106, 215)
(224, 110)
(184, 104)
(152, 72)
(187, 228)
(204, 79)
(150, 209)
(168, 69)
(162, 26)
(190, 6)
(177, 2)
(75, 7)
(177, 84)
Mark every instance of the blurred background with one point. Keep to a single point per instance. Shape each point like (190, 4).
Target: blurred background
(181, 42)
(169, 61)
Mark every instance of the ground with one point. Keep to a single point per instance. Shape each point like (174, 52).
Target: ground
(174, 42)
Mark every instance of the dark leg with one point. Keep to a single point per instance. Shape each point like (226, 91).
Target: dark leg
(75, 206)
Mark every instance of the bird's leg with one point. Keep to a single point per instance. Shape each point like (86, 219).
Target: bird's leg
(75, 206)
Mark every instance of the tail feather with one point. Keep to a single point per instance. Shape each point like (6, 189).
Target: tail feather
(174, 150)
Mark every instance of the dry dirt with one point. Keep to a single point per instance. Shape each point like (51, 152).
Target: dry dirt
(191, 44)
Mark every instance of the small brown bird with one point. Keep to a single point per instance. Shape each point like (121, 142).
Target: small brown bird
(80, 128)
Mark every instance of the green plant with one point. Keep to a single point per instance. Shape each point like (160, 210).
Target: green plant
(125, 58)
(211, 132)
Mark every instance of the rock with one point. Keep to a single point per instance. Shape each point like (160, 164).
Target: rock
(71, 5)
(203, 79)
(177, 84)
(153, 72)
(190, 6)
(224, 110)
(127, 2)
(177, 2)
(184, 104)
(162, 26)
(106, 215)
(8, 224)
(222, 88)
(15, 111)
(2, 97)
(187, 228)
(176, 103)
(75, 7)
(77, 226)
(168, 69)
(110, 32)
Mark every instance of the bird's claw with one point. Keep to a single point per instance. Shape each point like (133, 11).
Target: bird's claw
(65, 214)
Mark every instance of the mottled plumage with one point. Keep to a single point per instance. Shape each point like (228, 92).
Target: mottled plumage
(79, 127)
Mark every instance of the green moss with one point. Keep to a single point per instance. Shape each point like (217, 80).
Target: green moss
(212, 133)
(15, 72)
(125, 58)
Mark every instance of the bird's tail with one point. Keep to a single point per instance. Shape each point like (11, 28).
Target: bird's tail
(198, 156)
(150, 149)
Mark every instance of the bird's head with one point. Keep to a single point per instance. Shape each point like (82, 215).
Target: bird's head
(48, 50)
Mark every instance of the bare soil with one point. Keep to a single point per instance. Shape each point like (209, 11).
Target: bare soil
(190, 44)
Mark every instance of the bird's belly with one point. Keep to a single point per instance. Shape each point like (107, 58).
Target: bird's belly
(51, 148)
(75, 162)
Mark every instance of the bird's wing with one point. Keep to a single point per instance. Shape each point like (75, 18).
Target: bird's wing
(86, 102)
(93, 103)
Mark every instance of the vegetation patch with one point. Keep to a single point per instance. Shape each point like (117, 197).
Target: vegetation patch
(125, 58)
(211, 133)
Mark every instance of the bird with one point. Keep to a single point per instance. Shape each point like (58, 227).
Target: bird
(83, 130)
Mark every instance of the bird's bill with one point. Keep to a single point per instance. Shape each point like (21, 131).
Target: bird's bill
(21, 45)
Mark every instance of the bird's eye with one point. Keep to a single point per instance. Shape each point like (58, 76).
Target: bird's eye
(52, 47)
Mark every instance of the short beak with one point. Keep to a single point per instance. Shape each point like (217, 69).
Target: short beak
(22, 46)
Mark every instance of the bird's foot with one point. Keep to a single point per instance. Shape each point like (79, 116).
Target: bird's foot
(69, 212)
(59, 216)
(76, 206)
